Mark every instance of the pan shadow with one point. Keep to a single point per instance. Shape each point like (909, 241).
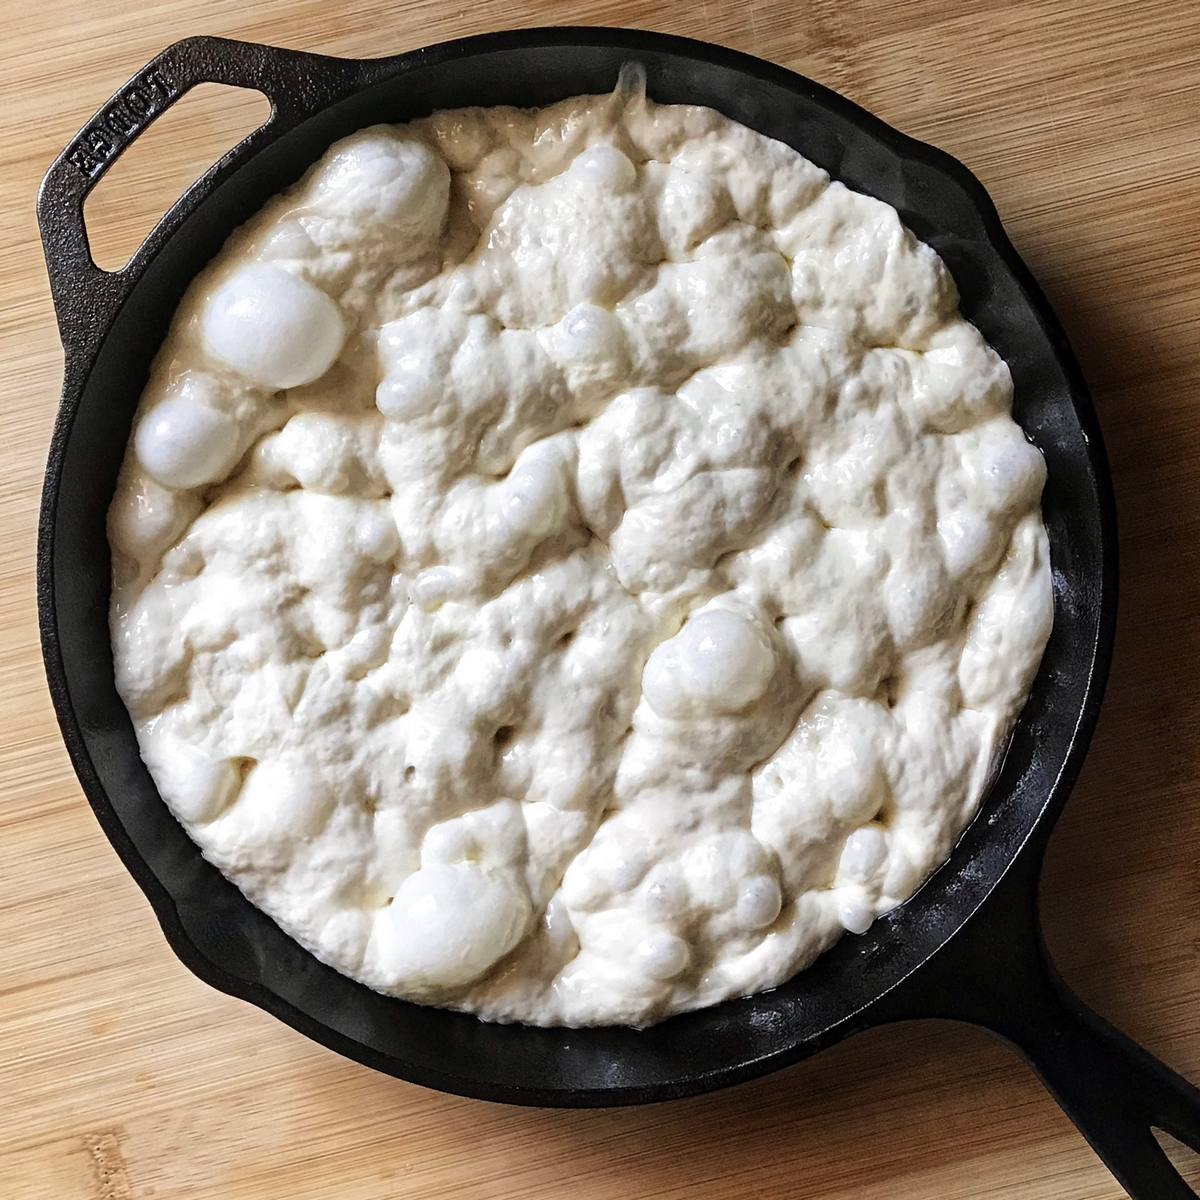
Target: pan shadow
(1120, 891)
(923, 1102)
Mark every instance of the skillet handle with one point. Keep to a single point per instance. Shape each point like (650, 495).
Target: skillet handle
(296, 84)
(1115, 1091)
(999, 975)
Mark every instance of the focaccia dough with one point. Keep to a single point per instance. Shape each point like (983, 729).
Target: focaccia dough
(571, 565)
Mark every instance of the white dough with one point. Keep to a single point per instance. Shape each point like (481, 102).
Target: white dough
(573, 566)
(198, 786)
(856, 913)
(605, 168)
(864, 854)
(380, 183)
(271, 327)
(758, 902)
(449, 923)
(662, 955)
(718, 663)
(184, 440)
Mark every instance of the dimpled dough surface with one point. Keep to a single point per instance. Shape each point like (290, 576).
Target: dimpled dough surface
(573, 565)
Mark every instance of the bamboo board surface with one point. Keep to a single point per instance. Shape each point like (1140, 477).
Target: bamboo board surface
(122, 1077)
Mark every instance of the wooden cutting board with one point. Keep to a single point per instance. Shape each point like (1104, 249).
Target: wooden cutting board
(123, 1078)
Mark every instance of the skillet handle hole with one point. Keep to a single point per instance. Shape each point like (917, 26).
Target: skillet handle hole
(162, 162)
(1184, 1158)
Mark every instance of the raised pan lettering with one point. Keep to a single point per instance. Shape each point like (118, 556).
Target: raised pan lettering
(121, 120)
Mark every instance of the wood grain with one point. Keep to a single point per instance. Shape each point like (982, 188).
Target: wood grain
(123, 1078)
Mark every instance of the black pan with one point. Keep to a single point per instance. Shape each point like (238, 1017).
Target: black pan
(967, 946)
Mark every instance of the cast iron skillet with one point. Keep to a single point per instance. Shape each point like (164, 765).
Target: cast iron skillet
(966, 947)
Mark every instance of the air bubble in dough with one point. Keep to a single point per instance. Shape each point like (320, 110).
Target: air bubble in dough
(968, 540)
(433, 587)
(587, 335)
(718, 662)
(604, 167)
(397, 185)
(450, 922)
(530, 500)
(279, 803)
(408, 390)
(855, 914)
(864, 853)
(758, 902)
(272, 327)
(666, 894)
(662, 955)
(199, 785)
(183, 441)
(1006, 471)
